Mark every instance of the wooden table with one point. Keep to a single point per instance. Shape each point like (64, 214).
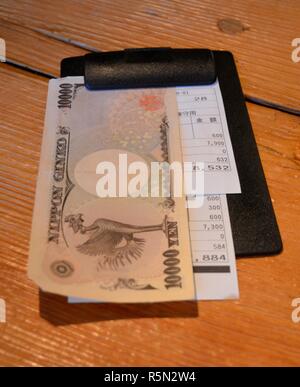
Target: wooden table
(257, 329)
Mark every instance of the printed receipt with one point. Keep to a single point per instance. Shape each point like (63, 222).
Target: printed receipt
(212, 250)
(205, 138)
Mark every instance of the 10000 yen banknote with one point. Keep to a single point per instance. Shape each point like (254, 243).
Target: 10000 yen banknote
(115, 249)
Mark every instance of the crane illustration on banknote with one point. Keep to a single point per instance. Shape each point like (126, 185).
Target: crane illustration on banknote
(113, 240)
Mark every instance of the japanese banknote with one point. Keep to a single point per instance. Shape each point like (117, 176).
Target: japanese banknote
(114, 249)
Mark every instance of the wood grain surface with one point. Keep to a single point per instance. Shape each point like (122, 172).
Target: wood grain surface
(255, 330)
(259, 33)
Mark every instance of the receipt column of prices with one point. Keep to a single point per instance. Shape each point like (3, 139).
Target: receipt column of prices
(205, 138)
(212, 250)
